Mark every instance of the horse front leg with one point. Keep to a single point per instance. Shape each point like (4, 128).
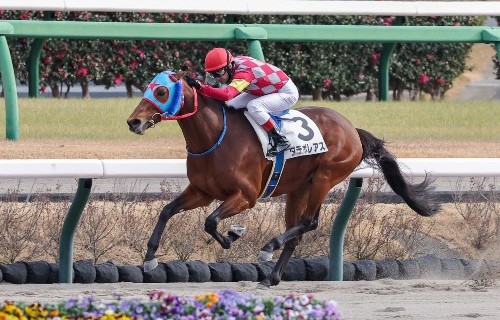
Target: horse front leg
(190, 198)
(230, 207)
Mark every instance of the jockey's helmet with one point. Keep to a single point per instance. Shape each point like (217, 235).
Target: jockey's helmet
(218, 58)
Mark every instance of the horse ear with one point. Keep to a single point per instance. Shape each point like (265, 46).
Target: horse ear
(180, 74)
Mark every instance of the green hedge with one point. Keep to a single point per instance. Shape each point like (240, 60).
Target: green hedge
(325, 70)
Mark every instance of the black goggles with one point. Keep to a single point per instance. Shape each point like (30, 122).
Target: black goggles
(218, 73)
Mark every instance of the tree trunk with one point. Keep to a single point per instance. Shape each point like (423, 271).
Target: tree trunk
(128, 86)
(67, 91)
(54, 88)
(317, 95)
(85, 89)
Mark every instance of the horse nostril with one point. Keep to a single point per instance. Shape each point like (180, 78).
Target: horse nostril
(133, 123)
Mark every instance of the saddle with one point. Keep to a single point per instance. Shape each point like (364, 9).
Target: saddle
(299, 129)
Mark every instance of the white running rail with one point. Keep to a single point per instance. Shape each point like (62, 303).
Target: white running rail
(276, 7)
(176, 168)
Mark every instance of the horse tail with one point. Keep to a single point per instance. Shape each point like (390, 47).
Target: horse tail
(416, 196)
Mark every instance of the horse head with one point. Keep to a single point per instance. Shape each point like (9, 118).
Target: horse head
(163, 100)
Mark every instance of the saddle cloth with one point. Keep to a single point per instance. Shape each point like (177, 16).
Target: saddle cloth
(300, 130)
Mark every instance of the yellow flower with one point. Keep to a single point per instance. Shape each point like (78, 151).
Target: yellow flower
(109, 312)
(208, 299)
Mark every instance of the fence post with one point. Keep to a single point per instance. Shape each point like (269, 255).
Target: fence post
(9, 85)
(336, 260)
(385, 61)
(34, 67)
(68, 230)
(252, 35)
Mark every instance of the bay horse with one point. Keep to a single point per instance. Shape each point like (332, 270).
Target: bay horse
(226, 162)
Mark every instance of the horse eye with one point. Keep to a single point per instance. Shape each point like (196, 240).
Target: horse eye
(162, 94)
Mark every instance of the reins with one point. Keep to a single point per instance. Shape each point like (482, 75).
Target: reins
(195, 109)
(182, 116)
(219, 141)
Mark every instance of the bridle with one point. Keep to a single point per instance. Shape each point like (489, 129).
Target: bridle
(189, 114)
(175, 117)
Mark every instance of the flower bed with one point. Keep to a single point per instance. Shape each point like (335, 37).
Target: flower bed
(227, 304)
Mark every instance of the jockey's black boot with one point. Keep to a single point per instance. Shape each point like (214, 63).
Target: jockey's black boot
(278, 142)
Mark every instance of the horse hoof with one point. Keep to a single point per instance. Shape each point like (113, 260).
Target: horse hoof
(237, 229)
(262, 286)
(150, 265)
(265, 256)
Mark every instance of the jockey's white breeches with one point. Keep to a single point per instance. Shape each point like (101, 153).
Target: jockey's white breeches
(259, 107)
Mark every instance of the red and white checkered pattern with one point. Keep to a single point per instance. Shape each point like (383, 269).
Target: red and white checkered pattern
(264, 78)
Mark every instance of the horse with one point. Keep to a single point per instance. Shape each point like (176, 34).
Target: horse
(225, 162)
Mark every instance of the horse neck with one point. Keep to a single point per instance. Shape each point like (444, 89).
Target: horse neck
(202, 129)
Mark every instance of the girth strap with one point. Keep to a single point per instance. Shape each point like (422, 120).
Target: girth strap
(274, 177)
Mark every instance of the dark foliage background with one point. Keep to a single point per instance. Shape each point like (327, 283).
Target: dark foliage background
(325, 70)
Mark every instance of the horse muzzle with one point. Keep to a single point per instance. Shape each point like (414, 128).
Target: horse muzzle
(137, 126)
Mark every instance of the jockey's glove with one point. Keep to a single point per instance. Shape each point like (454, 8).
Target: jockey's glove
(192, 82)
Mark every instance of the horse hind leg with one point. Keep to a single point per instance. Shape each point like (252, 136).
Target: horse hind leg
(308, 221)
(189, 199)
(295, 206)
(230, 207)
(290, 238)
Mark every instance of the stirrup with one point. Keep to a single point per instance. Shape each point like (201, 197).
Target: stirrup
(274, 150)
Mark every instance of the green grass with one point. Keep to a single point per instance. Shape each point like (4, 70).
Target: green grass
(104, 119)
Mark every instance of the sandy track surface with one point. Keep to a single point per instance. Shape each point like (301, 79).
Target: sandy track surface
(381, 299)
(74, 149)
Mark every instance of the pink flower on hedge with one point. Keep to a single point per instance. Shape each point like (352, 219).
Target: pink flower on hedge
(42, 89)
(430, 56)
(418, 62)
(440, 81)
(118, 79)
(133, 65)
(24, 16)
(423, 79)
(82, 72)
(388, 21)
(327, 83)
(46, 60)
(375, 56)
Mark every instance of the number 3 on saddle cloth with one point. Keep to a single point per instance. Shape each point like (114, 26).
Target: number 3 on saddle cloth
(305, 139)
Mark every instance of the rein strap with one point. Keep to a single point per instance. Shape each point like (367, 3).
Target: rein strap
(195, 106)
(219, 141)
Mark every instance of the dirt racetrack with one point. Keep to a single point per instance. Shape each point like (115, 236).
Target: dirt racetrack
(381, 299)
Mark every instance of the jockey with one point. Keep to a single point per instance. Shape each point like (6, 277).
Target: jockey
(258, 86)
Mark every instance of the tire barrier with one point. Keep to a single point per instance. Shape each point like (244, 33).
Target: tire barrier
(308, 269)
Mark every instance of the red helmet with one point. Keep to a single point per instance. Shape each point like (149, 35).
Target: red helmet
(217, 58)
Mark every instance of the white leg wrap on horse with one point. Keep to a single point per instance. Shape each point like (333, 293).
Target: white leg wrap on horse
(238, 229)
(265, 256)
(261, 287)
(150, 265)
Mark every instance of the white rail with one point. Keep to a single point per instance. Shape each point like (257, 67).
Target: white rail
(176, 168)
(276, 7)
